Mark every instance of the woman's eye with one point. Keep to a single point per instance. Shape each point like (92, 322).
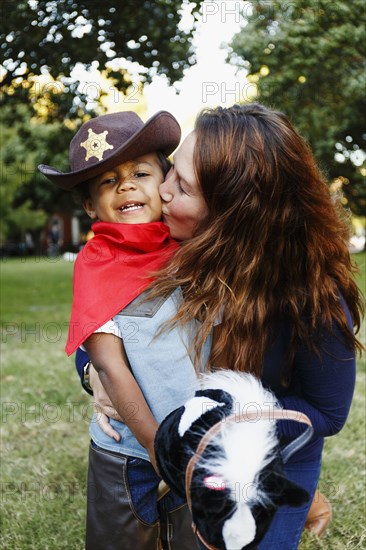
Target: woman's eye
(180, 188)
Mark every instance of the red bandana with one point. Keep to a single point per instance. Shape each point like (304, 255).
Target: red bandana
(112, 270)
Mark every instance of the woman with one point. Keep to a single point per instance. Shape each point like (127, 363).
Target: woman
(268, 259)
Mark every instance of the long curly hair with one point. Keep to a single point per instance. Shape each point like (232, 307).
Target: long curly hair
(273, 245)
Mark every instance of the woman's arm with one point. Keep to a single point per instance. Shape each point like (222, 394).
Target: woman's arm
(322, 385)
(326, 383)
(108, 357)
(327, 386)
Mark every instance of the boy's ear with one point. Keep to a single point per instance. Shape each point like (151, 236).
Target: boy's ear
(89, 208)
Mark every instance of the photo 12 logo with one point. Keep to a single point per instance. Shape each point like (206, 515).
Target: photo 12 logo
(222, 92)
(239, 12)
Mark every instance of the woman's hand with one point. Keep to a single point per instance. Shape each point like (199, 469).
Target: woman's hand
(103, 405)
(104, 425)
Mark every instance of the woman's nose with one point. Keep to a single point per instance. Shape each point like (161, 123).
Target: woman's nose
(164, 190)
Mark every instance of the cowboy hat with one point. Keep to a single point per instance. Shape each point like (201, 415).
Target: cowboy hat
(108, 140)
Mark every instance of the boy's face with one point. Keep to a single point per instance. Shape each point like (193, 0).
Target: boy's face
(129, 193)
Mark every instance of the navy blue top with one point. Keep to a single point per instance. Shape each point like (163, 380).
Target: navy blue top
(321, 386)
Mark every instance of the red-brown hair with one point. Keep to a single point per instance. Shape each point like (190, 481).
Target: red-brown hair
(273, 245)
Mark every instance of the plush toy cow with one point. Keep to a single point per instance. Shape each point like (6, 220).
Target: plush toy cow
(220, 451)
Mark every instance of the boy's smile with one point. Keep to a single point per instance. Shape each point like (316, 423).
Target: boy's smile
(129, 193)
(131, 206)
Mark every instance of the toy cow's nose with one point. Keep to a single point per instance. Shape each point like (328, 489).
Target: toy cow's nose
(216, 483)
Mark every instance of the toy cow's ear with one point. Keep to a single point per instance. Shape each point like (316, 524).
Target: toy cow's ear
(290, 493)
(201, 404)
(168, 452)
(194, 409)
(221, 396)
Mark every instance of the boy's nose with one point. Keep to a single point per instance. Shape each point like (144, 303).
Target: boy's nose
(126, 185)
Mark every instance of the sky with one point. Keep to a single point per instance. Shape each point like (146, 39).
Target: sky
(211, 81)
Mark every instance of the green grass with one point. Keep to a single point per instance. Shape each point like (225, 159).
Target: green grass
(44, 412)
(45, 417)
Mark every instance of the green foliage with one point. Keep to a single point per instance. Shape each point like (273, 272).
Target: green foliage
(25, 195)
(24, 217)
(39, 117)
(43, 35)
(308, 60)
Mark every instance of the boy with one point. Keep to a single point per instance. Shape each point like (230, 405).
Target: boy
(117, 165)
(118, 187)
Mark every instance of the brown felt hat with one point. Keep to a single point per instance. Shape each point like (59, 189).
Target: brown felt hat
(108, 140)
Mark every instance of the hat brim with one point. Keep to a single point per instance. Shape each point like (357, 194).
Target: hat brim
(160, 133)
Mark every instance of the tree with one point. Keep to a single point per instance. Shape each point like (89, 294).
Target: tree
(25, 197)
(307, 59)
(45, 39)
(44, 35)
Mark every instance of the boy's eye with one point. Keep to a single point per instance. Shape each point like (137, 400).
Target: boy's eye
(109, 181)
(141, 174)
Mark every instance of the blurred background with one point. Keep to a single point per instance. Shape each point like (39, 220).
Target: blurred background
(64, 62)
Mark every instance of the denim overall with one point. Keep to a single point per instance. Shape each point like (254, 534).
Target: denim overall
(124, 510)
(161, 365)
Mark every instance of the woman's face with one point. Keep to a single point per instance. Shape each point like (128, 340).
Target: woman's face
(183, 204)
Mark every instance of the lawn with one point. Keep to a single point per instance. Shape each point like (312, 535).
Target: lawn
(45, 417)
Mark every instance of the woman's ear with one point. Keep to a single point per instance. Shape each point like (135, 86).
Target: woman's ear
(89, 208)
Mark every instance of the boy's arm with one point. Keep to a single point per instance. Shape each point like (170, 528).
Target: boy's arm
(108, 357)
(103, 405)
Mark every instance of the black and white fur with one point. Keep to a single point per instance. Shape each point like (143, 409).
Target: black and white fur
(238, 484)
